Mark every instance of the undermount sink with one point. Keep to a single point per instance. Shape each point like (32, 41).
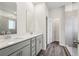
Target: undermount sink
(17, 38)
(1, 40)
(10, 39)
(11, 42)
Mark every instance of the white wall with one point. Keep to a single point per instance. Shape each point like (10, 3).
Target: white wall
(21, 18)
(30, 14)
(25, 17)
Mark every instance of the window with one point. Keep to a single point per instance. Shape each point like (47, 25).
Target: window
(11, 24)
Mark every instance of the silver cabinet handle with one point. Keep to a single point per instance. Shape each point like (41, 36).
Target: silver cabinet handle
(76, 42)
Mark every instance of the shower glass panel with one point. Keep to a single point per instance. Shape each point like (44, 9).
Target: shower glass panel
(71, 29)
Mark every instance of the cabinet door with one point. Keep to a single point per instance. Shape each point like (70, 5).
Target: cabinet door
(38, 44)
(22, 52)
(33, 49)
(26, 51)
(17, 53)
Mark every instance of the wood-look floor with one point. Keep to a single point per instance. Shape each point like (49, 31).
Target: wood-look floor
(54, 49)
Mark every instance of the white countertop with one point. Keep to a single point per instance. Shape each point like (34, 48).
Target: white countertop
(16, 39)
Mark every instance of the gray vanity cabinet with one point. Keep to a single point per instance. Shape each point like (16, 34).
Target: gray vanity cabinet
(16, 49)
(29, 47)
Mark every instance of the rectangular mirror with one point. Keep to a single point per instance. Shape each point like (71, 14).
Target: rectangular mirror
(8, 21)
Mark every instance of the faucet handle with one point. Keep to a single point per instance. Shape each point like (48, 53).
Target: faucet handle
(8, 32)
(3, 32)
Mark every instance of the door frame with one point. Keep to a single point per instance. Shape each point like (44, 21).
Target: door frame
(46, 30)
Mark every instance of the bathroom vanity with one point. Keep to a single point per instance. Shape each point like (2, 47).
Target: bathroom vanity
(26, 45)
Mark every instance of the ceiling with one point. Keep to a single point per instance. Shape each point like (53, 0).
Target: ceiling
(11, 6)
(8, 6)
(52, 5)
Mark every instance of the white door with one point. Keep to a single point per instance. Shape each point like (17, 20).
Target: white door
(50, 31)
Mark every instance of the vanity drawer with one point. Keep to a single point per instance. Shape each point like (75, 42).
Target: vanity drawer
(11, 49)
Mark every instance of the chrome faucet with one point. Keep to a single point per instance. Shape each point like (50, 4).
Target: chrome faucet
(8, 36)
